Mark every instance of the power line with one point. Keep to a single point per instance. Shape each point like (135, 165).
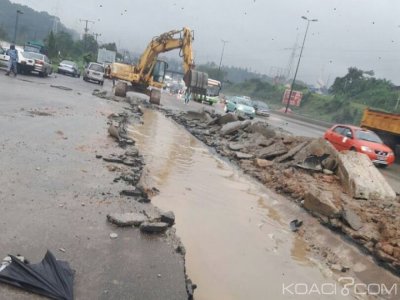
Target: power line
(86, 29)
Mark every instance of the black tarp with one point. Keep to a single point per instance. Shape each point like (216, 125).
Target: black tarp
(51, 277)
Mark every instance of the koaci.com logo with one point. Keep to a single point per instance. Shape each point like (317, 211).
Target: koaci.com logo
(347, 286)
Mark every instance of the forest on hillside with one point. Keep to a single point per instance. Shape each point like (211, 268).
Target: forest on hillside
(32, 25)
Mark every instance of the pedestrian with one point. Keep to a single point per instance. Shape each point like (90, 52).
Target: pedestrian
(12, 64)
(188, 95)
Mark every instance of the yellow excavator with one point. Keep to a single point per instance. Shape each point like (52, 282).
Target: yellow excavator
(148, 75)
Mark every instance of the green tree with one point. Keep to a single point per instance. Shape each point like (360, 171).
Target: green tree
(51, 45)
(213, 72)
(65, 44)
(90, 44)
(110, 46)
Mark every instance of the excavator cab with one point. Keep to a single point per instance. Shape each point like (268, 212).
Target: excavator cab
(159, 71)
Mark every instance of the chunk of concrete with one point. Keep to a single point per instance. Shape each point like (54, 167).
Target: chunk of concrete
(158, 227)
(225, 119)
(241, 155)
(361, 179)
(236, 146)
(321, 202)
(263, 163)
(262, 128)
(197, 115)
(126, 219)
(292, 152)
(317, 147)
(352, 219)
(168, 217)
(272, 151)
(234, 127)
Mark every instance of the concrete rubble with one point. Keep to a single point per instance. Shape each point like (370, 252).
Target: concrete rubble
(344, 191)
(126, 219)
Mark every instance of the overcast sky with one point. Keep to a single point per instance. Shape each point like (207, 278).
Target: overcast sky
(360, 33)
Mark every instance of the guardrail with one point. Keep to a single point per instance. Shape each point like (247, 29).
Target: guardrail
(304, 119)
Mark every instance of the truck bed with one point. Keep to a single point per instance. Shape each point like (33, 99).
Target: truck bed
(378, 120)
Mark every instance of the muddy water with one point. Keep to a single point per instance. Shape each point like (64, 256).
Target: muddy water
(235, 231)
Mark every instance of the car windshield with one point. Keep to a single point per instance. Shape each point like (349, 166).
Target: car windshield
(244, 101)
(368, 136)
(67, 62)
(96, 67)
(33, 55)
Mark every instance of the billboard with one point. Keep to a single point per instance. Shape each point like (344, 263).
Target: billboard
(106, 56)
(295, 99)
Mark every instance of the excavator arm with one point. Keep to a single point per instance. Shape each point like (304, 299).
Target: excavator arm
(175, 39)
(142, 75)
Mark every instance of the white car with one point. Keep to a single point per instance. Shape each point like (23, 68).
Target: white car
(4, 58)
(94, 72)
(26, 63)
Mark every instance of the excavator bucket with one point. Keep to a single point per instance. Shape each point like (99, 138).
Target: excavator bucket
(155, 96)
(196, 81)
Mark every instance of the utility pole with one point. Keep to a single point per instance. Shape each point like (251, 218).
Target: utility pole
(298, 63)
(222, 55)
(16, 25)
(96, 35)
(86, 29)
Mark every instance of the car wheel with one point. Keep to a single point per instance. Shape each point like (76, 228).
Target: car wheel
(353, 149)
(84, 78)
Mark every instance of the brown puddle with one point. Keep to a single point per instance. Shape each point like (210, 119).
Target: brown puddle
(238, 245)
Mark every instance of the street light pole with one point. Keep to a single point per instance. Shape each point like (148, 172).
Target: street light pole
(298, 63)
(222, 55)
(16, 25)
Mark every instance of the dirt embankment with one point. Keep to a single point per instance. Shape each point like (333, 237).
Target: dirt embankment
(343, 190)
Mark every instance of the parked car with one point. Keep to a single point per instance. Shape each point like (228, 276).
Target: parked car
(4, 58)
(241, 106)
(67, 67)
(94, 72)
(261, 108)
(42, 64)
(26, 63)
(348, 137)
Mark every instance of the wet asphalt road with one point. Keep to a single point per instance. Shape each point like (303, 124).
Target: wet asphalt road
(55, 194)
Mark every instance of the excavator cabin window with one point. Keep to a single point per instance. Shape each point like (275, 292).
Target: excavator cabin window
(159, 71)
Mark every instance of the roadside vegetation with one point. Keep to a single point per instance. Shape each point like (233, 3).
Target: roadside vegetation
(344, 103)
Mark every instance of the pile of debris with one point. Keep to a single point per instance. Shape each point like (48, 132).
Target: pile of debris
(344, 191)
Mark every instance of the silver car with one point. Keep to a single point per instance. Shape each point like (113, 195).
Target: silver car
(42, 64)
(68, 67)
(94, 72)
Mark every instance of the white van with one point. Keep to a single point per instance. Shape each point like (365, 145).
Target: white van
(94, 72)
